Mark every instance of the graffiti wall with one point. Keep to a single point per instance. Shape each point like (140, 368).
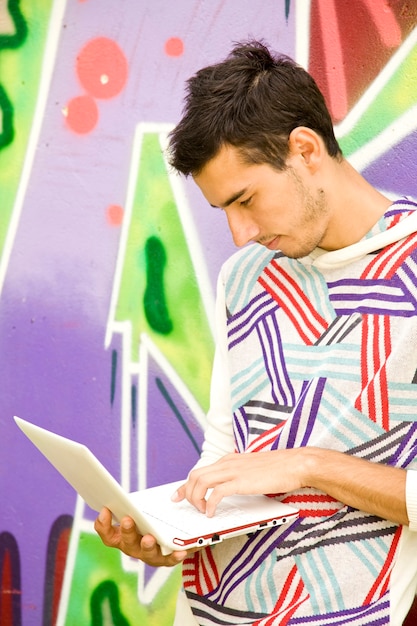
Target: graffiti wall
(108, 260)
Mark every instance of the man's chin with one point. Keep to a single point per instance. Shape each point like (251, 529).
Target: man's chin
(296, 253)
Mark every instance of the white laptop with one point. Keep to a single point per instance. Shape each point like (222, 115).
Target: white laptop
(175, 525)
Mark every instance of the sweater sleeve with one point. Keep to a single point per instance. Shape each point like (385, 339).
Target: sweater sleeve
(218, 438)
(411, 498)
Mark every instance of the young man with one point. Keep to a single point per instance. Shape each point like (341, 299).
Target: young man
(314, 380)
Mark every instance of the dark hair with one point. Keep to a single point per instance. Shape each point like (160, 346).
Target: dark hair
(252, 100)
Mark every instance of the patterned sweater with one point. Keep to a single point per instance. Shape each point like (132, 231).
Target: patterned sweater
(318, 351)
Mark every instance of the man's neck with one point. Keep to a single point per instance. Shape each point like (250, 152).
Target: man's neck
(356, 207)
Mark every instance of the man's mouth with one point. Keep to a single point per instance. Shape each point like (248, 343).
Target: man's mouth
(272, 244)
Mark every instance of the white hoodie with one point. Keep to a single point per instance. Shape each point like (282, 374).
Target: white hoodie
(238, 282)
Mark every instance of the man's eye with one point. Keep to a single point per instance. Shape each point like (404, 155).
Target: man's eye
(245, 202)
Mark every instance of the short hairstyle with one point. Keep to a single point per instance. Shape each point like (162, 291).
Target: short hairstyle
(252, 100)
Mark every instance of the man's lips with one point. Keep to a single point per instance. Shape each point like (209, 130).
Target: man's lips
(272, 244)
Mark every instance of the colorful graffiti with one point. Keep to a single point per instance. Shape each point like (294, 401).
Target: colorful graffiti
(109, 259)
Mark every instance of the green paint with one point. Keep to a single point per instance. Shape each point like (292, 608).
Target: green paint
(395, 99)
(105, 600)
(101, 588)
(154, 300)
(10, 40)
(20, 76)
(165, 301)
(7, 130)
(16, 38)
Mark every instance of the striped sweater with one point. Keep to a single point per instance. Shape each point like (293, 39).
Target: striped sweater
(318, 351)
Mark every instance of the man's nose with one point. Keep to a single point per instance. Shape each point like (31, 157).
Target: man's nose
(242, 227)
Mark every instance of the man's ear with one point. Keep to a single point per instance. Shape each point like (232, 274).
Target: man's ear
(305, 144)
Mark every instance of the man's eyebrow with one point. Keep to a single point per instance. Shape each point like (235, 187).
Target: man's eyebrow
(232, 198)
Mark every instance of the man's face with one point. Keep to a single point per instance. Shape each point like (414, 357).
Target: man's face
(281, 210)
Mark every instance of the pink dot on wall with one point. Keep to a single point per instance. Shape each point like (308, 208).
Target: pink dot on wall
(81, 114)
(115, 214)
(102, 68)
(174, 47)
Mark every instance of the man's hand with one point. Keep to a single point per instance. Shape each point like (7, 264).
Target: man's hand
(127, 539)
(371, 487)
(256, 473)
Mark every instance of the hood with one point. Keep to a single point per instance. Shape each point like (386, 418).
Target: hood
(338, 258)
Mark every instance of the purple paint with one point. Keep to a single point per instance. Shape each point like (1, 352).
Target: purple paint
(56, 297)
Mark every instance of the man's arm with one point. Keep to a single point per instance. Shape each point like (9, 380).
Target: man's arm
(371, 487)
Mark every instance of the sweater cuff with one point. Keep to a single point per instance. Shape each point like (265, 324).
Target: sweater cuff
(411, 498)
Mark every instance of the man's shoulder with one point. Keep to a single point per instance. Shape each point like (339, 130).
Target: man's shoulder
(254, 255)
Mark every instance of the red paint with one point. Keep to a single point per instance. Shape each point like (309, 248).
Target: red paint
(60, 562)
(115, 214)
(333, 64)
(385, 22)
(174, 47)
(102, 68)
(82, 114)
(6, 598)
(350, 43)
